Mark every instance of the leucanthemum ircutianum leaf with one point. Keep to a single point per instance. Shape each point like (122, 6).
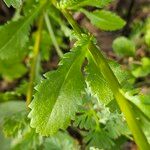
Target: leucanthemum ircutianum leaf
(14, 35)
(58, 96)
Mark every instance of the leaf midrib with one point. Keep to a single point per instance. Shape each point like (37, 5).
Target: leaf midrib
(70, 68)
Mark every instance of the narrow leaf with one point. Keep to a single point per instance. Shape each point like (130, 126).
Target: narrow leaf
(74, 4)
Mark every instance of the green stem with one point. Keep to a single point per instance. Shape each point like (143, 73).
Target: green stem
(51, 32)
(123, 103)
(108, 74)
(34, 61)
(72, 22)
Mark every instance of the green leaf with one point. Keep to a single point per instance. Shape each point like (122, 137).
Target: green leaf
(147, 33)
(123, 46)
(28, 140)
(58, 96)
(75, 4)
(97, 84)
(14, 3)
(46, 45)
(105, 20)
(14, 35)
(60, 141)
(99, 139)
(141, 70)
(9, 108)
(14, 124)
(147, 38)
(11, 70)
(8, 96)
(141, 101)
(116, 126)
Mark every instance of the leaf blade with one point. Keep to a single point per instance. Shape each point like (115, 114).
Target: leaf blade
(11, 46)
(14, 3)
(75, 4)
(61, 102)
(105, 20)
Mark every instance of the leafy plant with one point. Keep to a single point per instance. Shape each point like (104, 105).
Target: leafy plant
(87, 91)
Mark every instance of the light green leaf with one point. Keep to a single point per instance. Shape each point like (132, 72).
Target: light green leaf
(10, 70)
(105, 20)
(15, 124)
(58, 96)
(14, 3)
(141, 101)
(99, 139)
(28, 140)
(74, 4)
(97, 84)
(14, 35)
(147, 33)
(60, 141)
(147, 38)
(116, 126)
(9, 108)
(142, 69)
(123, 46)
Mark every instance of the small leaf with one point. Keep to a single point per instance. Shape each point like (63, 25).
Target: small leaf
(14, 3)
(14, 124)
(116, 126)
(9, 108)
(28, 140)
(11, 70)
(99, 139)
(75, 4)
(61, 139)
(58, 96)
(105, 20)
(14, 35)
(124, 47)
(141, 70)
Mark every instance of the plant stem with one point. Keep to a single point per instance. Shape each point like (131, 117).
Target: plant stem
(123, 103)
(108, 74)
(34, 61)
(51, 32)
(72, 22)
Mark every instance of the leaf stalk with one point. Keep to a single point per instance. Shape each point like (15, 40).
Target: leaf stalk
(34, 61)
(52, 35)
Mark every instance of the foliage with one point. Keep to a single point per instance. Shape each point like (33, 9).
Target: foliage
(89, 93)
(123, 47)
(105, 20)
